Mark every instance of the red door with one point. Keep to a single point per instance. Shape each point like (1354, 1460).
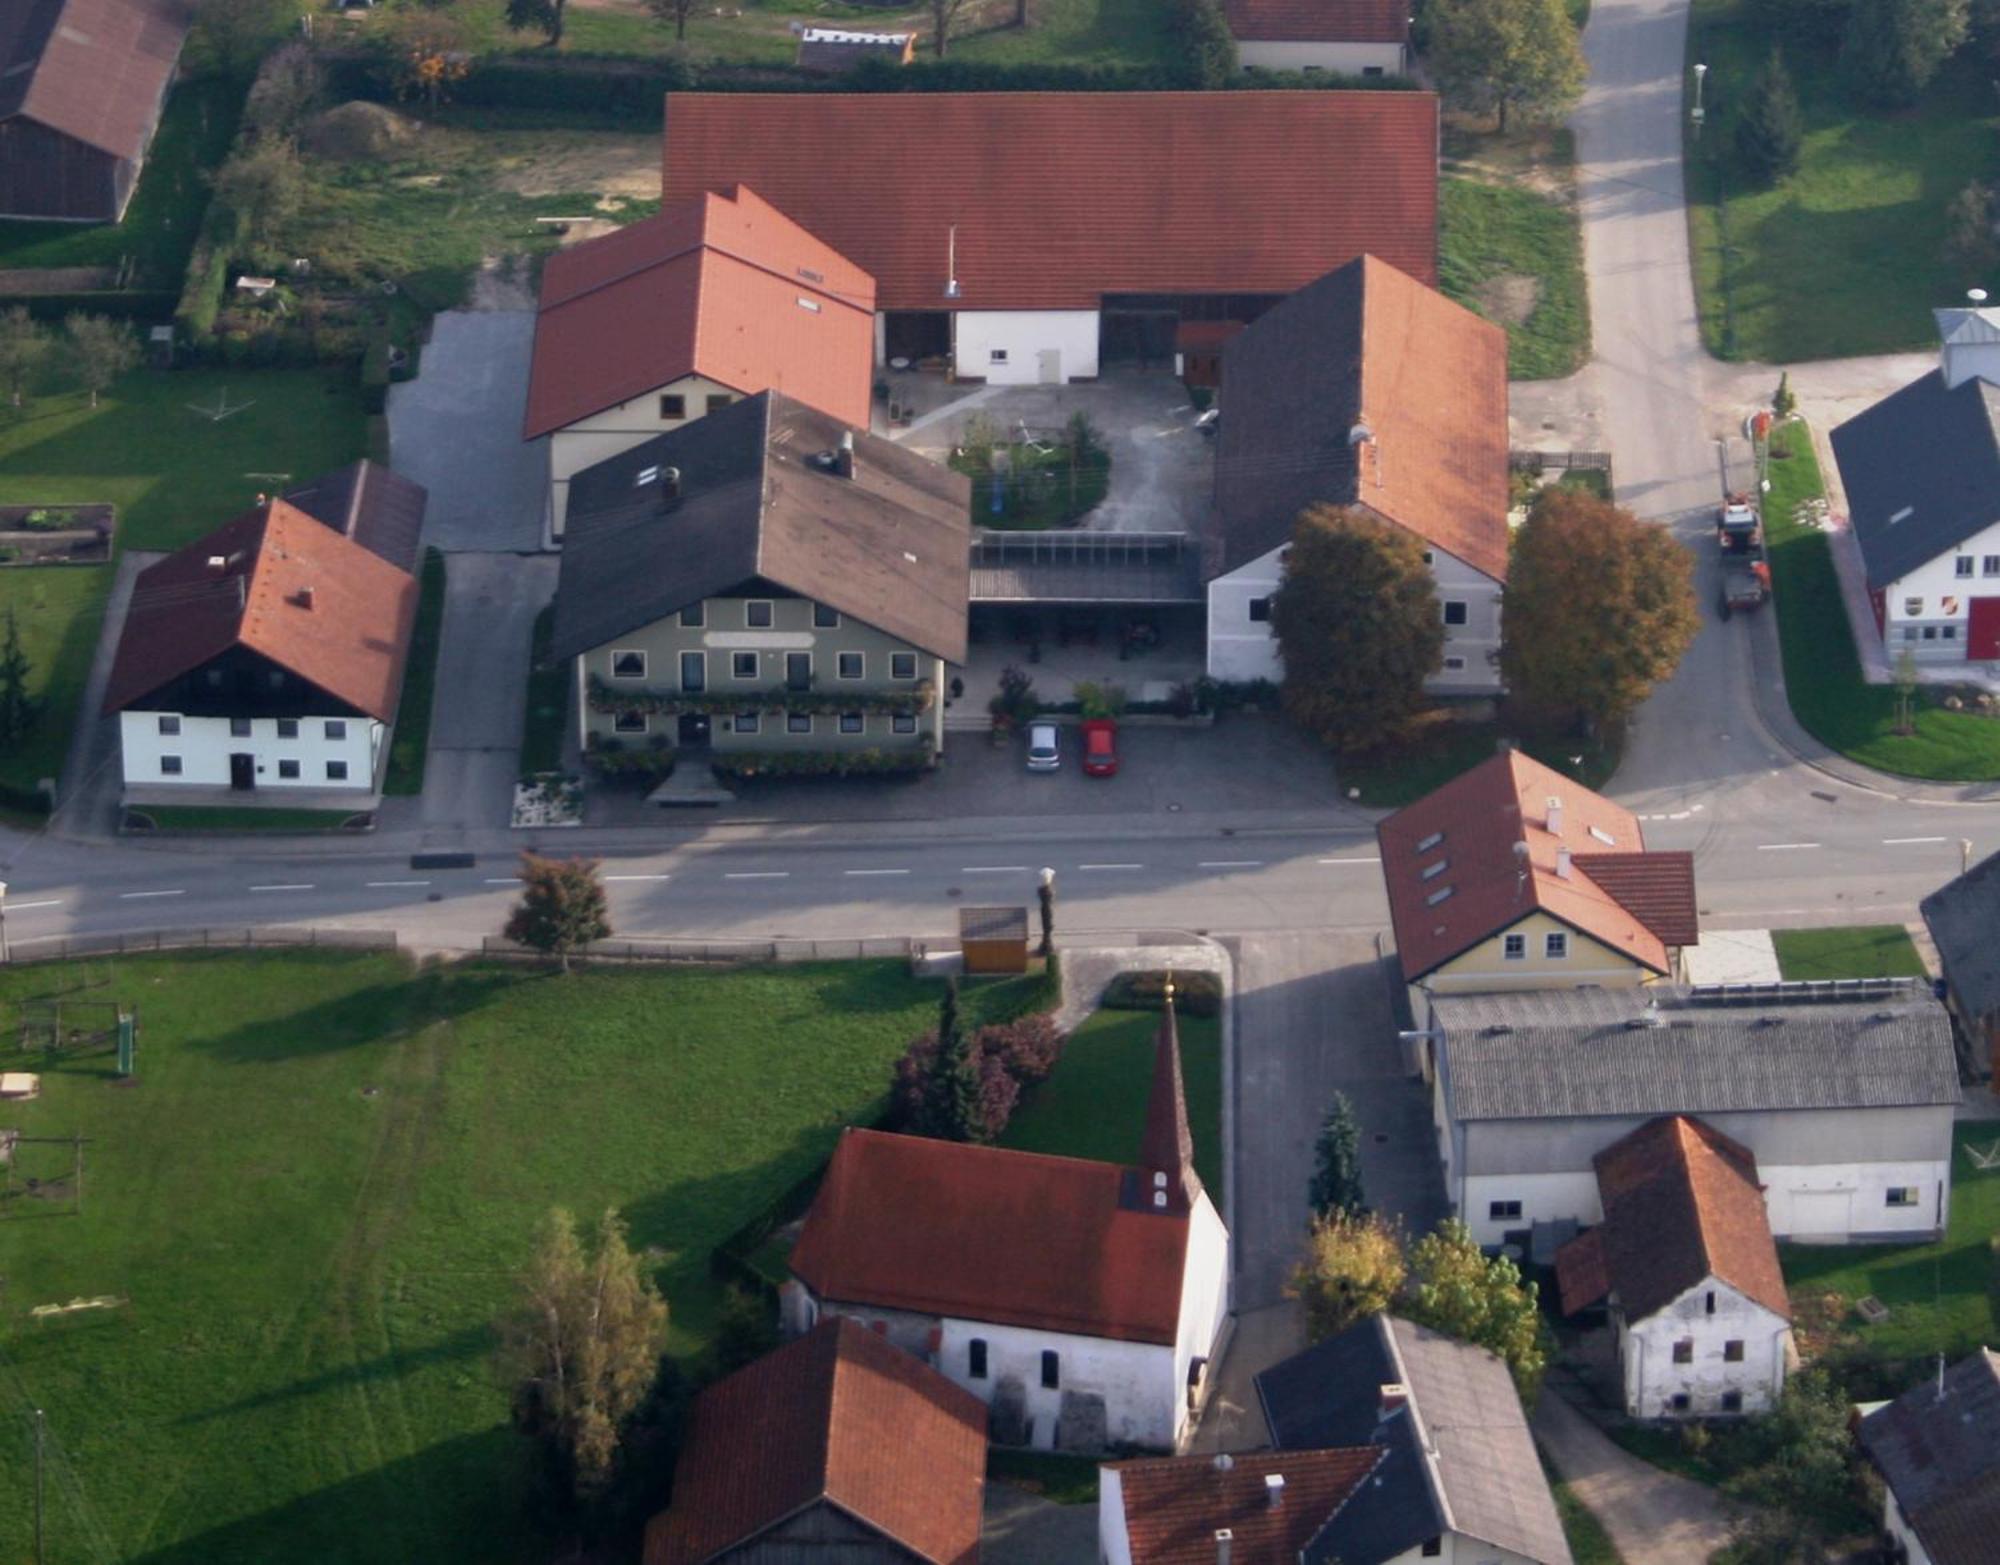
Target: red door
(1982, 631)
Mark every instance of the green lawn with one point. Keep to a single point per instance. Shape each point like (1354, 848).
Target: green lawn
(173, 472)
(314, 1199)
(160, 222)
(1094, 1105)
(1491, 232)
(1847, 256)
(1940, 1296)
(1036, 489)
(1822, 670)
(58, 609)
(226, 818)
(1439, 748)
(1863, 951)
(548, 702)
(1062, 1480)
(411, 744)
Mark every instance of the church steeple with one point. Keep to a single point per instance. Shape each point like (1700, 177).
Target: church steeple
(1166, 1154)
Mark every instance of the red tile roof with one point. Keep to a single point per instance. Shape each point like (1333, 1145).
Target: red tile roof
(1682, 1203)
(1058, 198)
(722, 286)
(1319, 21)
(840, 1415)
(980, 1233)
(1479, 819)
(1175, 1505)
(187, 609)
(1581, 1278)
(92, 69)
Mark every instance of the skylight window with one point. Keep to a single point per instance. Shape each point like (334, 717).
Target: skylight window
(1432, 871)
(1442, 894)
(809, 304)
(1903, 515)
(1604, 836)
(1430, 842)
(647, 475)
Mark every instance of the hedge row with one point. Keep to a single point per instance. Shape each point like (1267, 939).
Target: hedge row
(29, 801)
(735, 767)
(128, 304)
(1195, 994)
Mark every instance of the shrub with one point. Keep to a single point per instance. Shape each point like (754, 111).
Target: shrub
(1195, 994)
(1029, 1047)
(1012, 1058)
(821, 763)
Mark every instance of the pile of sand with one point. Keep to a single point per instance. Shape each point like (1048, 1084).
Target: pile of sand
(355, 131)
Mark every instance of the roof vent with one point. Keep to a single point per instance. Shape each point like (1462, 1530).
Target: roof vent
(1552, 817)
(1650, 1017)
(1223, 1539)
(217, 564)
(1770, 1021)
(1496, 1030)
(1562, 861)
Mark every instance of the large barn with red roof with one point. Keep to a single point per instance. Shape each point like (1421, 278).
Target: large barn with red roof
(1030, 237)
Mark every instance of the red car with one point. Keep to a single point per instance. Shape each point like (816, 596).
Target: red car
(1100, 747)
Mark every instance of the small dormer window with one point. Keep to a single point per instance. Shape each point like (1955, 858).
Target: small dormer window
(1430, 842)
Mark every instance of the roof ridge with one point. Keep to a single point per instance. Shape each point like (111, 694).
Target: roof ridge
(1426, 1447)
(974, 1148)
(636, 267)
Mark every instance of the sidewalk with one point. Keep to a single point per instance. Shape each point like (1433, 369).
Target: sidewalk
(1655, 1517)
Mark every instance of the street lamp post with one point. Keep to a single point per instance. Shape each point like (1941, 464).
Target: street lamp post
(1698, 114)
(3, 923)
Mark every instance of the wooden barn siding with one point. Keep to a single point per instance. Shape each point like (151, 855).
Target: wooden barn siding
(820, 1535)
(44, 173)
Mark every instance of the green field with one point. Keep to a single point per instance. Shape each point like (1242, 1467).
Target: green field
(411, 744)
(1822, 670)
(175, 472)
(160, 222)
(313, 1200)
(58, 609)
(1491, 232)
(1863, 951)
(1940, 1296)
(1847, 256)
(1095, 1104)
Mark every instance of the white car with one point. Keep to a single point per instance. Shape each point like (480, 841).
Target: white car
(1044, 752)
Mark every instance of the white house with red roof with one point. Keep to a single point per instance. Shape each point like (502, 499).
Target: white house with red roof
(1346, 37)
(717, 298)
(1081, 1301)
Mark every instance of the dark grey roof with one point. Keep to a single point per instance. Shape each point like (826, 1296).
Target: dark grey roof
(1557, 1053)
(1922, 472)
(379, 509)
(889, 546)
(1458, 1458)
(1964, 920)
(1941, 1458)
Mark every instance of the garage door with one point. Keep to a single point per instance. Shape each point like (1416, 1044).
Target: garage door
(1820, 1212)
(1982, 632)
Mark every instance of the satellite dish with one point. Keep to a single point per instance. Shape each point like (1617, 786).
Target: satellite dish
(1976, 295)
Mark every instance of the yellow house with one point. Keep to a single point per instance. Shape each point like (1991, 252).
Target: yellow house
(1512, 876)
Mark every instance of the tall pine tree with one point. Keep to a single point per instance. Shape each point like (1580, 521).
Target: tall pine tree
(17, 707)
(951, 1094)
(1336, 1183)
(1770, 128)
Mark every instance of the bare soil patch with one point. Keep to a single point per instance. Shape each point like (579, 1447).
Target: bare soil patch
(1508, 299)
(563, 163)
(359, 130)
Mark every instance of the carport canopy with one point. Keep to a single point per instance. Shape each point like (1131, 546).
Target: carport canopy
(1075, 566)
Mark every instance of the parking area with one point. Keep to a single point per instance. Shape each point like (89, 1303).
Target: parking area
(456, 429)
(1146, 651)
(1162, 467)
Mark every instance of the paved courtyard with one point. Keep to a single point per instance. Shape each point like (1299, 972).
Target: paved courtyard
(456, 429)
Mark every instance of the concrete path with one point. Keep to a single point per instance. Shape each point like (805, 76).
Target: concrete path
(456, 429)
(1654, 1517)
(490, 605)
(1313, 1018)
(87, 792)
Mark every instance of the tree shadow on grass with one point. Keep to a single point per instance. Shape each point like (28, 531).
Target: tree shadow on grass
(465, 1343)
(365, 1016)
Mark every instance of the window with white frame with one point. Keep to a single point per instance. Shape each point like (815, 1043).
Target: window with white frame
(742, 665)
(996, 356)
(694, 671)
(850, 722)
(902, 665)
(628, 663)
(170, 766)
(170, 726)
(288, 771)
(825, 618)
(288, 728)
(1962, 566)
(850, 665)
(747, 722)
(336, 729)
(1555, 945)
(1502, 1211)
(1989, 565)
(629, 723)
(1455, 612)
(903, 723)
(336, 771)
(694, 616)
(1912, 607)
(798, 722)
(757, 613)
(1901, 1195)
(1514, 948)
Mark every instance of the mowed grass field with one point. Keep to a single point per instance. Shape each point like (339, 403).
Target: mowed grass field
(1858, 951)
(58, 609)
(1848, 255)
(314, 1199)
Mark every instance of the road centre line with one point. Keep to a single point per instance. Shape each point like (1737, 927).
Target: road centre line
(303, 885)
(377, 885)
(1111, 866)
(1897, 842)
(503, 880)
(757, 874)
(1350, 861)
(994, 869)
(874, 872)
(22, 907)
(1230, 864)
(129, 896)
(1783, 847)
(609, 878)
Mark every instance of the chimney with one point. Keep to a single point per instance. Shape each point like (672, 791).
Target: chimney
(1223, 1539)
(217, 564)
(1393, 1398)
(304, 597)
(1562, 860)
(843, 459)
(1274, 1490)
(1552, 818)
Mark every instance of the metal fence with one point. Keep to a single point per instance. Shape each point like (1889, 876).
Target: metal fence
(714, 953)
(62, 948)
(1542, 461)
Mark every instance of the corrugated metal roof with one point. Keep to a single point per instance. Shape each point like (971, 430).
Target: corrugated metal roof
(1558, 1053)
(92, 69)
